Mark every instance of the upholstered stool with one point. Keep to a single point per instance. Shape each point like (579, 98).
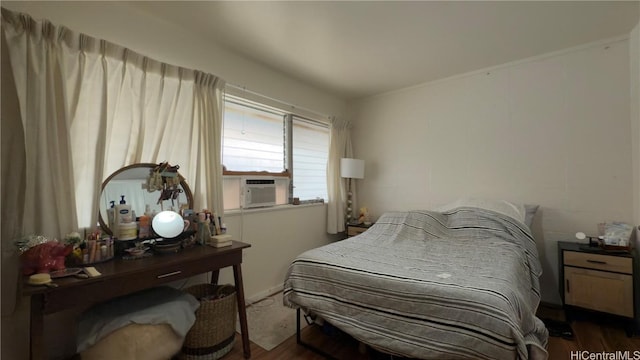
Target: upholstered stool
(150, 324)
(136, 341)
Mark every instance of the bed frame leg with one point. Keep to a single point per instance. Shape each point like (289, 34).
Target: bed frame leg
(298, 340)
(362, 347)
(306, 345)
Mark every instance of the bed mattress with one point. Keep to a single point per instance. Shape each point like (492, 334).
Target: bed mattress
(461, 284)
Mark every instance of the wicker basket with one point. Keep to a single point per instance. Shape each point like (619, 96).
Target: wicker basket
(213, 334)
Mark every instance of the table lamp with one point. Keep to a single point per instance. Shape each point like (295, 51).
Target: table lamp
(351, 169)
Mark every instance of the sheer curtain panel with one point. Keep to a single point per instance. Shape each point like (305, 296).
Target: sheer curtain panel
(339, 147)
(89, 107)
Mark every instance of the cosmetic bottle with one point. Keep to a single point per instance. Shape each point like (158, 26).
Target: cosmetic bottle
(145, 222)
(206, 231)
(123, 216)
(123, 212)
(111, 215)
(202, 217)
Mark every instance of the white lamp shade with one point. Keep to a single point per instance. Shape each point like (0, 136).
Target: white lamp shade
(168, 224)
(352, 168)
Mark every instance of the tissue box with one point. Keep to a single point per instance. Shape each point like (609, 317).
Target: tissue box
(219, 240)
(618, 236)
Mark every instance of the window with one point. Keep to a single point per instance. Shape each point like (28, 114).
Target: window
(253, 138)
(259, 140)
(310, 152)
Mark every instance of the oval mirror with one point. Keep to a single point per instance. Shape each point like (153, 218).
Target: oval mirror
(133, 183)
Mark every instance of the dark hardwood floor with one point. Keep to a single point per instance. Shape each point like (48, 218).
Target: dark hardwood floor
(589, 335)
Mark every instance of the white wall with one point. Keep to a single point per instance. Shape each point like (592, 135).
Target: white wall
(276, 236)
(634, 56)
(552, 130)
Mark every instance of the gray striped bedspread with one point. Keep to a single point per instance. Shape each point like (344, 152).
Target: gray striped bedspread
(462, 284)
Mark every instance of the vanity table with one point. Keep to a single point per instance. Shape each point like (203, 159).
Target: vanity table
(120, 277)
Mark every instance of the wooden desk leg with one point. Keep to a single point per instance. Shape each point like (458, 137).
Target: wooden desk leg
(36, 329)
(242, 312)
(215, 274)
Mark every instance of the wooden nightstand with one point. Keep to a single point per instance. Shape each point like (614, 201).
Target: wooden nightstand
(597, 280)
(355, 229)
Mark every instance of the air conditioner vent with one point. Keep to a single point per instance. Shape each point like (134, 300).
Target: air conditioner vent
(259, 192)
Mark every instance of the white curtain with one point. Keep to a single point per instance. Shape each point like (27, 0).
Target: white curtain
(339, 147)
(13, 179)
(89, 107)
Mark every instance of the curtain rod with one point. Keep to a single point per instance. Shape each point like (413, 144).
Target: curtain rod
(282, 103)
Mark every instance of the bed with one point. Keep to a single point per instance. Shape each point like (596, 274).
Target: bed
(455, 284)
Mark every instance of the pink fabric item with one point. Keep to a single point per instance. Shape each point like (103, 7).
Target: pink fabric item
(45, 257)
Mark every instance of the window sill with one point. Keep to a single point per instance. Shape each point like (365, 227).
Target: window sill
(235, 212)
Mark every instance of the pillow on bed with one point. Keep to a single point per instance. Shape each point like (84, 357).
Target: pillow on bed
(515, 211)
(530, 212)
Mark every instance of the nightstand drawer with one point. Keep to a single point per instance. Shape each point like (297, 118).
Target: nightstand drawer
(599, 262)
(355, 230)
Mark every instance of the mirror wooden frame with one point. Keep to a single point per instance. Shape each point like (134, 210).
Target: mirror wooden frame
(183, 184)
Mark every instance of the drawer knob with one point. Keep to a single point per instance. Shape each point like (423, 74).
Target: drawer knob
(169, 274)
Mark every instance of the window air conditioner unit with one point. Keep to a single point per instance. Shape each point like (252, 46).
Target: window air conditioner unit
(259, 192)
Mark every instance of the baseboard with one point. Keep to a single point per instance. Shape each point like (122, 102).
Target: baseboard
(263, 294)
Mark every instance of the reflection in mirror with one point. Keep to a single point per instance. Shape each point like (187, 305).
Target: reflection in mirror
(139, 191)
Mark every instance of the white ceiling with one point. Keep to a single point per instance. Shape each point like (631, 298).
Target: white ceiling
(359, 48)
